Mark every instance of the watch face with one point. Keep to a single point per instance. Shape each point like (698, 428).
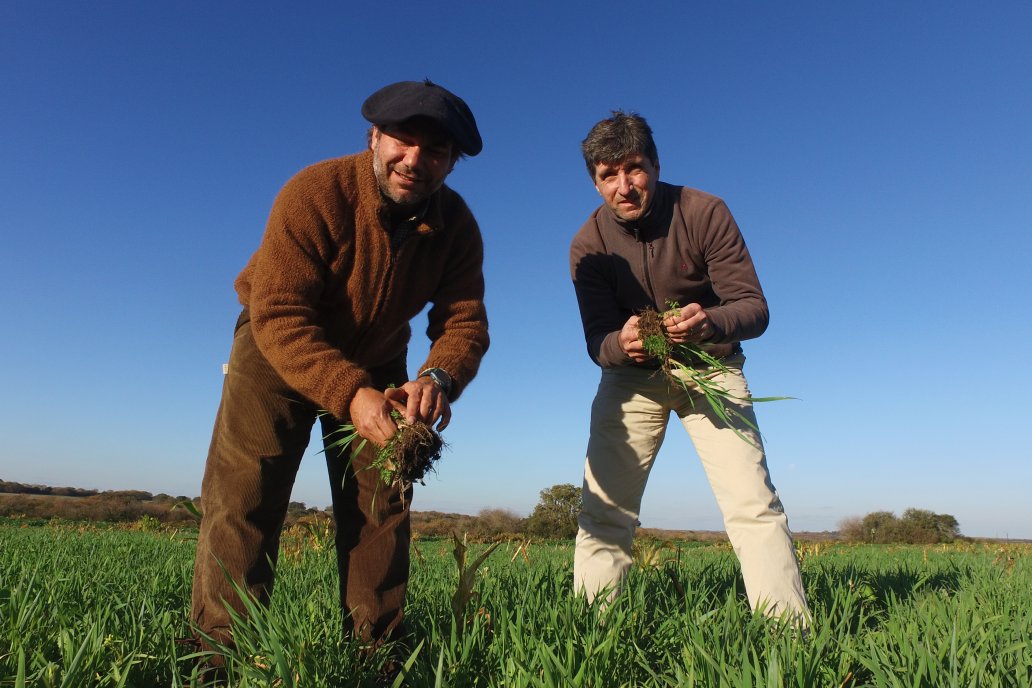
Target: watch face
(440, 377)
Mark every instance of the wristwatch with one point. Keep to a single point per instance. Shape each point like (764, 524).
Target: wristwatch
(438, 375)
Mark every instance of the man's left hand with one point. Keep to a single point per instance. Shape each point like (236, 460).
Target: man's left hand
(690, 324)
(424, 400)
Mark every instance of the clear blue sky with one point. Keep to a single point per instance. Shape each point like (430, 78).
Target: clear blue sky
(878, 157)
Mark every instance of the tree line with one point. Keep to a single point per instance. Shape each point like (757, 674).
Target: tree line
(916, 526)
(553, 518)
(8, 487)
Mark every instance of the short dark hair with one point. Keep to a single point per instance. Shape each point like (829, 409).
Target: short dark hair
(614, 138)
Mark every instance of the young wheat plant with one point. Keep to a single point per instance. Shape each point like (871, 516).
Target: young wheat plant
(678, 365)
(406, 458)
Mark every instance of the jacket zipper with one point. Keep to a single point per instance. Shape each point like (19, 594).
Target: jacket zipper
(646, 255)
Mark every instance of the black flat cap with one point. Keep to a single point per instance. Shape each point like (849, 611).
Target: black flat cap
(398, 102)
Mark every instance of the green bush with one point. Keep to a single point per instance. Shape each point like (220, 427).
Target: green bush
(555, 516)
(916, 527)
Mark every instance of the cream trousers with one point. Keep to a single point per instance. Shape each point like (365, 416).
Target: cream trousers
(628, 422)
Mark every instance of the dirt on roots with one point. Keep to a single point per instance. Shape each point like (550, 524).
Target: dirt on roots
(412, 452)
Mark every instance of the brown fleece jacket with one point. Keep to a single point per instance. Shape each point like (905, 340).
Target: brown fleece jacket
(329, 299)
(688, 249)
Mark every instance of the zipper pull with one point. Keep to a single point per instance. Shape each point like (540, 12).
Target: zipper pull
(637, 234)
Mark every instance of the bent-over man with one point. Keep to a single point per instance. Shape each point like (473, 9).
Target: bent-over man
(647, 245)
(355, 247)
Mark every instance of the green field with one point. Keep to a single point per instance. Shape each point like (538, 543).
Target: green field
(87, 606)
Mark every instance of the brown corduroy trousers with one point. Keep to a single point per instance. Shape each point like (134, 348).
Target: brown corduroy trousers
(261, 432)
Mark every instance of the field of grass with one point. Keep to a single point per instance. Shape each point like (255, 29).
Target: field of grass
(85, 606)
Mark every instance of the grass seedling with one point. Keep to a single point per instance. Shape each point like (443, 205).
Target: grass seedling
(467, 576)
(694, 369)
(407, 456)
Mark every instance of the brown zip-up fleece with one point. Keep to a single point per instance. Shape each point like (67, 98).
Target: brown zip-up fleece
(687, 248)
(329, 299)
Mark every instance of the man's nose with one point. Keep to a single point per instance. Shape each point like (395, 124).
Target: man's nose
(413, 156)
(623, 183)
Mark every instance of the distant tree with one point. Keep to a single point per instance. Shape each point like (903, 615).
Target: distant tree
(917, 526)
(555, 516)
(493, 523)
(929, 527)
(430, 524)
(297, 509)
(70, 492)
(850, 529)
(881, 527)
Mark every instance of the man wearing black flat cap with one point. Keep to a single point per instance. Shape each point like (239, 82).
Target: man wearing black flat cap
(355, 248)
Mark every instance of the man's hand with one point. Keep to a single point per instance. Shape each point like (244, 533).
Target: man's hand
(630, 343)
(424, 400)
(689, 324)
(371, 415)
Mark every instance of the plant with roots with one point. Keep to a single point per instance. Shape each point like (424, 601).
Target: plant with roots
(693, 369)
(406, 458)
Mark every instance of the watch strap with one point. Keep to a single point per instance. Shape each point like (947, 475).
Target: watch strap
(440, 377)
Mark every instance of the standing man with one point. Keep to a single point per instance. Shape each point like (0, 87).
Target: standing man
(650, 243)
(355, 247)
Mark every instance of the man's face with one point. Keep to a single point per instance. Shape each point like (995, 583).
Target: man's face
(411, 160)
(627, 186)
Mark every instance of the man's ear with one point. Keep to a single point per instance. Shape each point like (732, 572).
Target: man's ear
(374, 136)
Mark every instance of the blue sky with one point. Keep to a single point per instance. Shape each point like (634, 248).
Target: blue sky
(878, 157)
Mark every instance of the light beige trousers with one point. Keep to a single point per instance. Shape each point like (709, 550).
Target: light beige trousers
(628, 423)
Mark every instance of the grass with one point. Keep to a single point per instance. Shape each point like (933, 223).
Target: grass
(93, 607)
(407, 457)
(691, 367)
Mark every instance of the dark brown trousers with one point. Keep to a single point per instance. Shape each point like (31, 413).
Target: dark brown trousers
(261, 432)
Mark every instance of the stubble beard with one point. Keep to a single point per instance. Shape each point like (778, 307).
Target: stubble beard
(383, 178)
(630, 215)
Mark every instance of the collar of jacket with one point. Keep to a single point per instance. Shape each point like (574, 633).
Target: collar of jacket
(655, 221)
(432, 219)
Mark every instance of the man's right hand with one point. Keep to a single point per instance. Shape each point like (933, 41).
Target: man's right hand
(630, 343)
(371, 415)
